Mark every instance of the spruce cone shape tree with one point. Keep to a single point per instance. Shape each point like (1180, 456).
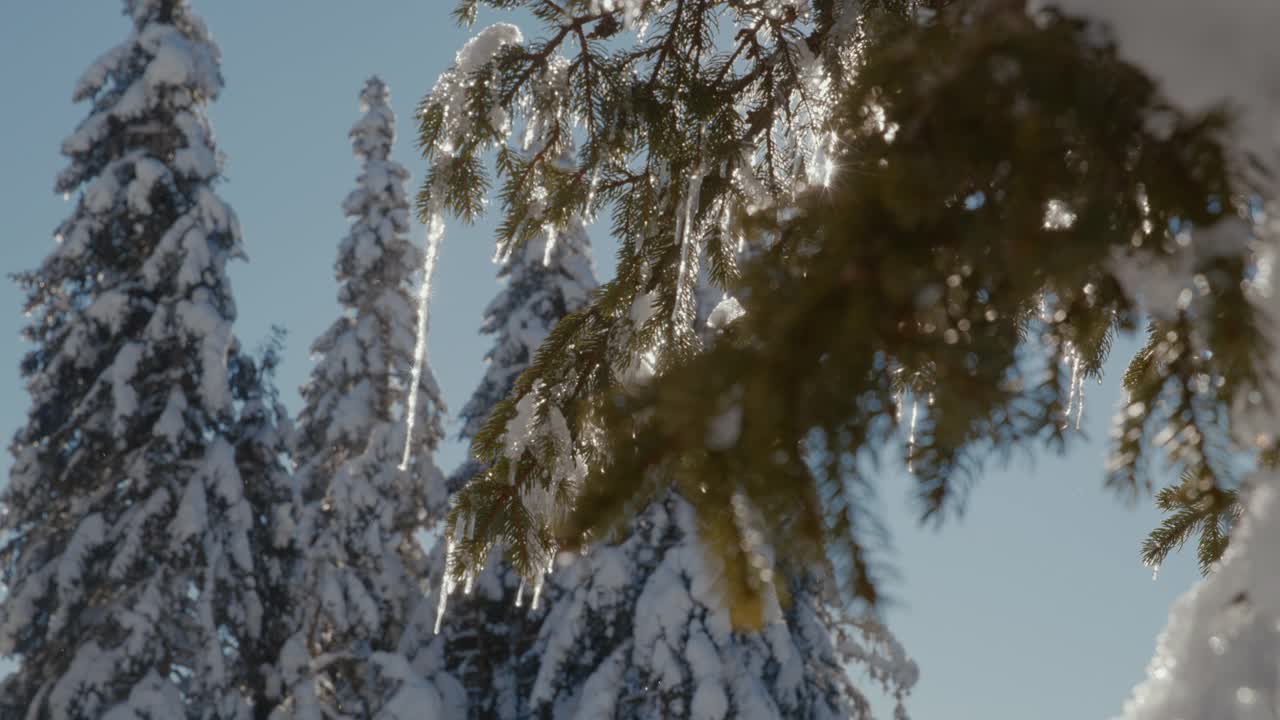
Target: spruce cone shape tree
(133, 542)
(363, 570)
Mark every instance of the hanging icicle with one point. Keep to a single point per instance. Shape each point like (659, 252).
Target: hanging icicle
(520, 593)
(1080, 402)
(899, 396)
(911, 436)
(446, 583)
(550, 247)
(682, 313)
(435, 233)
(537, 592)
(1075, 391)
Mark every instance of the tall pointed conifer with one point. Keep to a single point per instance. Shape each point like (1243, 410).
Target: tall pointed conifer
(131, 538)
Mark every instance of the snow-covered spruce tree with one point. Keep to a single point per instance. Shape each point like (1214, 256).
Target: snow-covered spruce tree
(363, 570)
(651, 134)
(130, 558)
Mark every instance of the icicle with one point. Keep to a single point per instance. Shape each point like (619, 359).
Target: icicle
(502, 252)
(537, 592)
(1080, 401)
(726, 223)
(591, 192)
(446, 583)
(520, 593)
(899, 398)
(469, 582)
(550, 246)
(1073, 359)
(435, 232)
(911, 437)
(686, 276)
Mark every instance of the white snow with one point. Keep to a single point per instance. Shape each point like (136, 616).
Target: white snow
(124, 397)
(171, 423)
(1202, 54)
(193, 514)
(727, 311)
(145, 174)
(1219, 657)
(450, 90)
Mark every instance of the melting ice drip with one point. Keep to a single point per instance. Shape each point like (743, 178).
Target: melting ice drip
(435, 233)
(1075, 393)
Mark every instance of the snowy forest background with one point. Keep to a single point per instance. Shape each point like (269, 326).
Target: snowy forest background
(997, 609)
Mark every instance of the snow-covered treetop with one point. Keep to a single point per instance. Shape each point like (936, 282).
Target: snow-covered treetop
(170, 65)
(638, 630)
(375, 132)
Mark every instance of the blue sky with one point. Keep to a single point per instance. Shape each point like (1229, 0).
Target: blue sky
(1032, 605)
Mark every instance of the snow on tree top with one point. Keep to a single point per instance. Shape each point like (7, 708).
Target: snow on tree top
(374, 133)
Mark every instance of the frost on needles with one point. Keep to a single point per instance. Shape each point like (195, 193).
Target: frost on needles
(981, 282)
(139, 575)
(601, 648)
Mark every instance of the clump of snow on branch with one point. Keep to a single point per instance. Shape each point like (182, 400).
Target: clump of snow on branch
(450, 90)
(1219, 656)
(450, 95)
